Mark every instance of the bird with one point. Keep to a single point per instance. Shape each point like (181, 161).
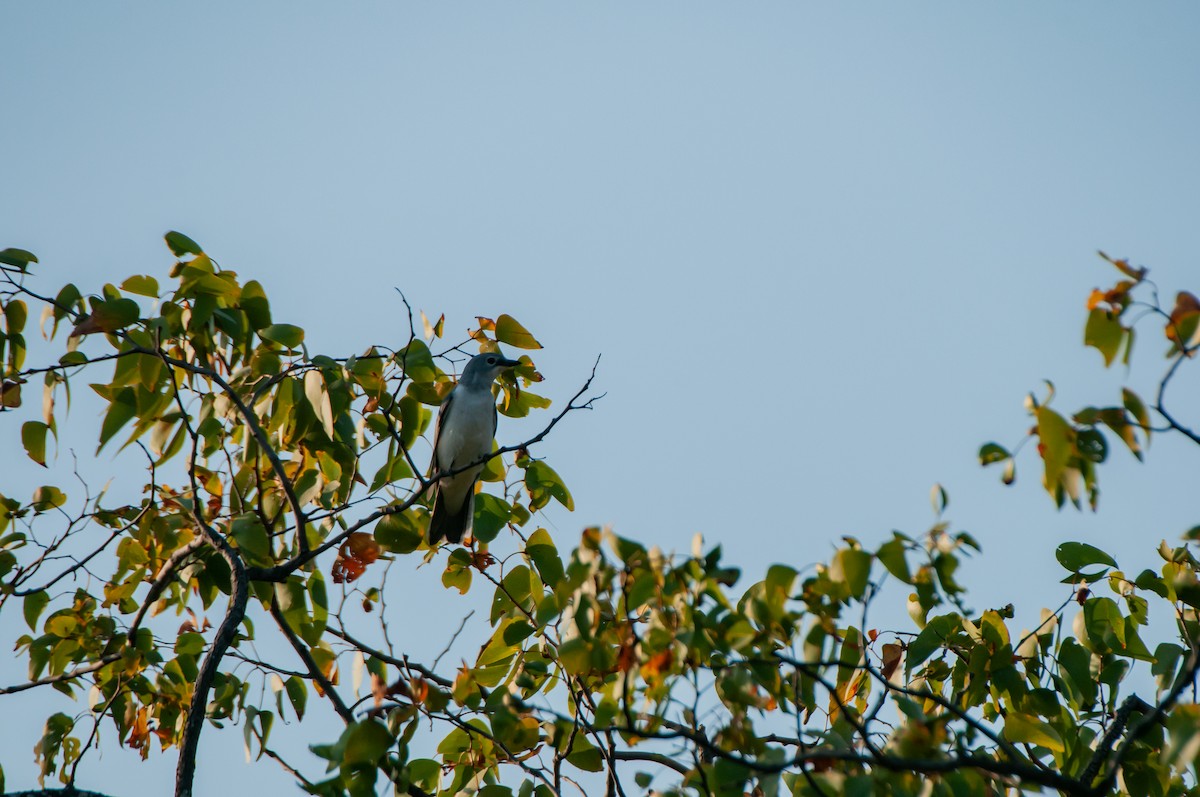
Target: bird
(466, 427)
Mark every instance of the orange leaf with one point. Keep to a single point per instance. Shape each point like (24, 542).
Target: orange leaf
(1181, 329)
(361, 545)
(657, 665)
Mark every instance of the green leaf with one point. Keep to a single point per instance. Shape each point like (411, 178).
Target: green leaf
(1025, 729)
(458, 571)
(33, 437)
(891, 555)
(491, 515)
(253, 302)
(1183, 725)
(416, 362)
(142, 285)
(1105, 625)
(15, 315)
(1075, 556)
(543, 483)
(122, 407)
(1091, 445)
(18, 258)
(286, 335)
(518, 403)
(990, 453)
(852, 566)
(398, 532)
(1104, 333)
(366, 742)
(394, 470)
(251, 539)
(35, 602)
(516, 632)
(544, 555)
(189, 643)
(46, 498)
(494, 790)
(180, 244)
(297, 694)
(1057, 443)
(109, 316)
(932, 636)
(510, 332)
(1137, 408)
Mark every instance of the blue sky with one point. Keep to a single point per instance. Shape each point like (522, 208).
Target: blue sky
(824, 249)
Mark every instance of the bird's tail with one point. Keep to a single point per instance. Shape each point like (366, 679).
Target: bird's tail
(450, 525)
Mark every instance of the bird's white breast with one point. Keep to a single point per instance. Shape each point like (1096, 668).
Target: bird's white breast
(467, 433)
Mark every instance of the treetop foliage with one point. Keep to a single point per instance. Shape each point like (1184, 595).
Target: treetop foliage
(278, 487)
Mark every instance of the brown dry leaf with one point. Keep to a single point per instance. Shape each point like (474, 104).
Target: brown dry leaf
(892, 652)
(188, 624)
(139, 732)
(626, 658)
(379, 689)
(10, 395)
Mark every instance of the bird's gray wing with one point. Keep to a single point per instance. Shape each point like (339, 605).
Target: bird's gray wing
(443, 414)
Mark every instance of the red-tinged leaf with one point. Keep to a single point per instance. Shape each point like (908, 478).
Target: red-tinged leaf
(108, 316)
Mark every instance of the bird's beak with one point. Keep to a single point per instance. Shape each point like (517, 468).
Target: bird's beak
(509, 363)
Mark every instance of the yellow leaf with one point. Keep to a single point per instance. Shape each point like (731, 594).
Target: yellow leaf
(509, 331)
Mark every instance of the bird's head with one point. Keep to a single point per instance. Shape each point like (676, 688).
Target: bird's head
(484, 368)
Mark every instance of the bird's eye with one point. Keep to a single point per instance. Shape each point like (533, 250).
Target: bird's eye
(491, 360)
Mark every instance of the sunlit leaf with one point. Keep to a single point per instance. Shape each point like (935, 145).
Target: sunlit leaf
(142, 285)
(1026, 729)
(510, 332)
